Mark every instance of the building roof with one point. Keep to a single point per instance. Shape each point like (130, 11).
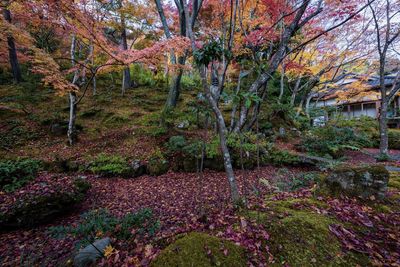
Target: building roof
(346, 88)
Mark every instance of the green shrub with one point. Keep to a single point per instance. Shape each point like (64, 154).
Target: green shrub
(176, 143)
(158, 165)
(99, 222)
(281, 158)
(332, 141)
(16, 173)
(143, 76)
(110, 165)
(394, 138)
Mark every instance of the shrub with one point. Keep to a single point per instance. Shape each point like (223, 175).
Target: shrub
(40, 202)
(16, 173)
(176, 143)
(286, 181)
(158, 165)
(99, 222)
(394, 138)
(280, 157)
(110, 165)
(332, 141)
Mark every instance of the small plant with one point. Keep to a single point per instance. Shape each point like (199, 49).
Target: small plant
(176, 143)
(96, 223)
(281, 157)
(286, 181)
(110, 165)
(16, 173)
(158, 165)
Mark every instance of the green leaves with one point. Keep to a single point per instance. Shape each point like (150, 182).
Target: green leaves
(17, 173)
(213, 50)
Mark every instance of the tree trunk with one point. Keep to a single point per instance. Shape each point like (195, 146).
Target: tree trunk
(174, 91)
(72, 136)
(282, 84)
(383, 129)
(126, 74)
(12, 51)
(71, 133)
(295, 91)
(222, 131)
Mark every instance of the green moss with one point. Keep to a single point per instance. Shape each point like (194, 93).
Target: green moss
(394, 180)
(301, 237)
(110, 165)
(199, 249)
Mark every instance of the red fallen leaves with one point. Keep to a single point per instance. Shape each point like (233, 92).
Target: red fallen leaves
(183, 202)
(380, 235)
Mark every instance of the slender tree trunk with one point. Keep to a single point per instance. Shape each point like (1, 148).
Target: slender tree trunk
(383, 128)
(12, 51)
(282, 84)
(222, 131)
(126, 74)
(72, 135)
(295, 91)
(235, 105)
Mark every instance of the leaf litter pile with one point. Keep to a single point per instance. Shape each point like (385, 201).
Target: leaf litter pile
(185, 202)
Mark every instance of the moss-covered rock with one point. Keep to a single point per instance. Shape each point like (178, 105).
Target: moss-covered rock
(41, 203)
(301, 237)
(201, 250)
(364, 182)
(157, 166)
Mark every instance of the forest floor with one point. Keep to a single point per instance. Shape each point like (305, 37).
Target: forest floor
(187, 202)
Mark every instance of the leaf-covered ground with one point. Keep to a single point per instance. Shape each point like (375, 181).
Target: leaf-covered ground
(185, 202)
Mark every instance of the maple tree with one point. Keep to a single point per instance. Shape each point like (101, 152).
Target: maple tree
(386, 30)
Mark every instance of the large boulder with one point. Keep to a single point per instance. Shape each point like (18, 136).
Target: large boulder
(92, 252)
(365, 182)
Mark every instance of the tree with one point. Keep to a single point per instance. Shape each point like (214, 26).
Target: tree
(12, 51)
(174, 90)
(387, 31)
(88, 32)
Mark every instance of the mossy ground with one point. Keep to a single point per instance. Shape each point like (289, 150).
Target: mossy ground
(301, 237)
(201, 250)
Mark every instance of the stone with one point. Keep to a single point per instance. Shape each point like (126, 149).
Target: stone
(89, 254)
(58, 129)
(138, 168)
(183, 125)
(365, 182)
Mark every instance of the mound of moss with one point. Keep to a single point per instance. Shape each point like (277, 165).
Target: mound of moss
(201, 250)
(394, 181)
(110, 165)
(41, 201)
(301, 237)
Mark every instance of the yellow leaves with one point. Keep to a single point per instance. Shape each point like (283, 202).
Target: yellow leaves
(148, 250)
(108, 251)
